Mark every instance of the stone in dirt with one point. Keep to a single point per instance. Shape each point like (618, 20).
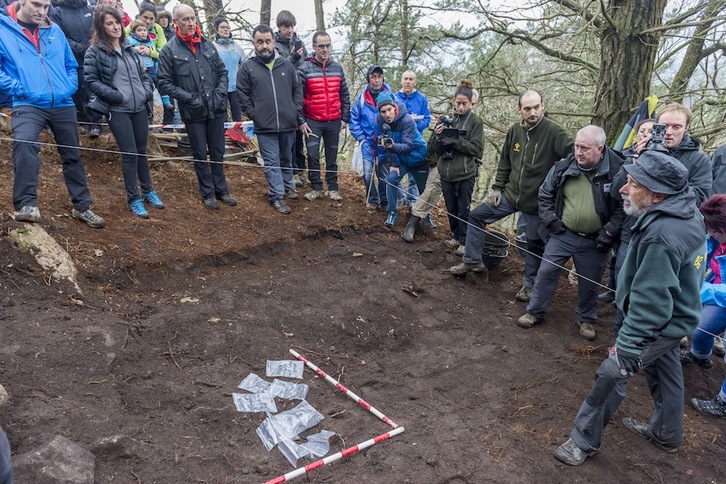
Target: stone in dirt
(60, 461)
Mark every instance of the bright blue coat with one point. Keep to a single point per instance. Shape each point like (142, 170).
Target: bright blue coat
(714, 294)
(409, 147)
(417, 105)
(29, 78)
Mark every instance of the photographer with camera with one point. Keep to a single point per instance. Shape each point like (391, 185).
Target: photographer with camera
(401, 146)
(457, 150)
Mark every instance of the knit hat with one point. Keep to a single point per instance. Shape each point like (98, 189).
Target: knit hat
(383, 99)
(373, 69)
(659, 172)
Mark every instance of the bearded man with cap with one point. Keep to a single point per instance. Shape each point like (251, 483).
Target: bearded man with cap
(363, 126)
(658, 291)
(403, 149)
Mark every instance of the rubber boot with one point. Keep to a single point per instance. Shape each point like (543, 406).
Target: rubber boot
(410, 231)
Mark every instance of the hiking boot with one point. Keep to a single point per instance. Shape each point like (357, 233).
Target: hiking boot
(718, 349)
(451, 243)
(371, 207)
(298, 182)
(464, 267)
(228, 199)
(313, 194)
(524, 294)
(391, 219)
(606, 297)
(28, 214)
(137, 208)
(333, 195)
(152, 199)
(211, 203)
(571, 454)
(304, 178)
(94, 132)
(528, 320)
(645, 431)
(688, 357)
(714, 407)
(89, 217)
(410, 231)
(281, 207)
(460, 251)
(292, 195)
(427, 220)
(587, 331)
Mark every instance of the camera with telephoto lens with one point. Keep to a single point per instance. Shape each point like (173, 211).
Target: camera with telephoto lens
(449, 135)
(657, 139)
(385, 139)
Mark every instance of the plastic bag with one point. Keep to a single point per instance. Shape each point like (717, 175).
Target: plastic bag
(356, 162)
(288, 424)
(285, 368)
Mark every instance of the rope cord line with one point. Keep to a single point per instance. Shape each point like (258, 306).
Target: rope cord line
(373, 174)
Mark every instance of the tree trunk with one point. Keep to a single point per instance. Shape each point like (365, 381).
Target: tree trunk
(319, 15)
(627, 61)
(265, 11)
(404, 34)
(212, 10)
(695, 52)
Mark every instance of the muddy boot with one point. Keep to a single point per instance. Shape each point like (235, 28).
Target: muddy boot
(410, 231)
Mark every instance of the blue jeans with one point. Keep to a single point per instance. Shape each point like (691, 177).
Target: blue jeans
(713, 320)
(419, 175)
(277, 151)
(27, 123)
(484, 215)
(376, 194)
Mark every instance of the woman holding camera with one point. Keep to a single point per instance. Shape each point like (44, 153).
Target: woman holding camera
(458, 157)
(121, 90)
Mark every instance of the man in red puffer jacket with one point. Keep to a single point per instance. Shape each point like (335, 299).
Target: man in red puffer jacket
(326, 109)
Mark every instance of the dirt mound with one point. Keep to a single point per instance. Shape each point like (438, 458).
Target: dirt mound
(178, 309)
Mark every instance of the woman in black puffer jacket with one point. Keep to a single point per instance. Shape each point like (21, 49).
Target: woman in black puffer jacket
(121, 89)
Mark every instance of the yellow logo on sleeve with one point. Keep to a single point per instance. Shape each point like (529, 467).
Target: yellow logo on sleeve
(699, 260)
(516, 147)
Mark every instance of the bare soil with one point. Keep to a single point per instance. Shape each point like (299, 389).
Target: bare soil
(178, 309)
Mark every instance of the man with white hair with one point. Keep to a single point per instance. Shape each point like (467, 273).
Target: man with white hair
(579, 218)
(659, 293)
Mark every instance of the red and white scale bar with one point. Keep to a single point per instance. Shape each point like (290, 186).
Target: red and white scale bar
(350, 450)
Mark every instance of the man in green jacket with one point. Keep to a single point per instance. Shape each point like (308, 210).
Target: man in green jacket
(530, 149)
(659, 293)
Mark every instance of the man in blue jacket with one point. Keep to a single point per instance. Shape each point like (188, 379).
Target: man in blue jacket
(402, 148)
(38, 70)
(363, 127)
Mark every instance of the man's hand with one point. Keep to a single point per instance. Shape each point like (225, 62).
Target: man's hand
(556, 226)
(604, 240)
(305, 129)
(494, 198)
(629, 363)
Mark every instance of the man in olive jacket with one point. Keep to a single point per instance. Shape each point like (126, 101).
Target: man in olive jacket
(530, 149)
(659, 293)
(191, 71)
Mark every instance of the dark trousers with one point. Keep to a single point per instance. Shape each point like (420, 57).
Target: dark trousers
(329, 132)
(131, 131)
(80, 99)
(298, 154)
(417, 174)
(234, 106)
(205, 135)
(457, 196)
(662, 368)
(27, 122)
(6, 470)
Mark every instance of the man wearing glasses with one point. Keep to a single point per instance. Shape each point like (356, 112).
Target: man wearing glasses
(326, 108)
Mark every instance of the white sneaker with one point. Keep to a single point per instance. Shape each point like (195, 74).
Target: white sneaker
(28, 214)
(333, 195)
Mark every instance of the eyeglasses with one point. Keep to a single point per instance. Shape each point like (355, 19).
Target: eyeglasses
(323, 46)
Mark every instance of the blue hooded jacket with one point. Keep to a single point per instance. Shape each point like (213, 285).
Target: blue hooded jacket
(416, 104)
(409, 147)
(44, 76)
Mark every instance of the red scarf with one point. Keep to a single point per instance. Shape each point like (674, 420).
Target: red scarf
(192, 40)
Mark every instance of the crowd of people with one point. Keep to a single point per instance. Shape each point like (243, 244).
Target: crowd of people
(578, 198)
